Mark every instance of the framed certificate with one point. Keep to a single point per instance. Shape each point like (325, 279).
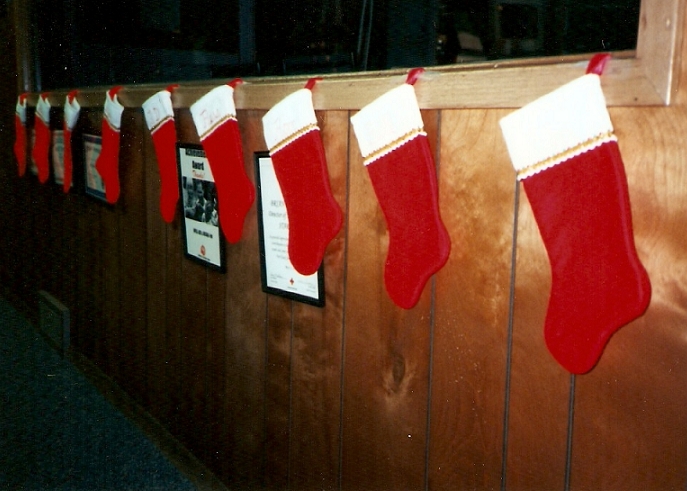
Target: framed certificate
(279, 277)
(202, 235)
(95, 187)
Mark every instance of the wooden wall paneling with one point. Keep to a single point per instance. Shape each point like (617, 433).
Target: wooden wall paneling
(193, 355)
(216, 375)
(172, 327)
(278, 392)
(107, 274)
(246, 337)
(157, 402)
(194, 298)
(93, 230)
(630, 428)
(386, 355)
(316, 365)
(471, 307)
(540, 387)
(57, 213)
(64, 232)
(57, 237)
(36, 226)
(108, 305)
(87, 235)
(24, 245)
(50, 241)
(133, 265)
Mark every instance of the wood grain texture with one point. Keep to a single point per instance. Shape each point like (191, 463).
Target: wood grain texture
(278, 392)
(471, 319)
(193, 334)
(539, 394)
(386, 357)
(630, 421)
(157, 401)
(216, 445)
(246, 337)
(107, 304)
(132, 262)
(172, 326)
(316, 365)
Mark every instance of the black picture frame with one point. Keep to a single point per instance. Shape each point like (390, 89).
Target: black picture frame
(277, 274)
(201, 231)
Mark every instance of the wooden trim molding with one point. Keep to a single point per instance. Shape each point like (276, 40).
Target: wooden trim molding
(645, 77)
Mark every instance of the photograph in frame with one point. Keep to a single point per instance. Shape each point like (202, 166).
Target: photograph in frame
(203, 239)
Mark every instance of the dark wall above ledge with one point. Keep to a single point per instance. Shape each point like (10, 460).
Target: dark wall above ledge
(128, 41)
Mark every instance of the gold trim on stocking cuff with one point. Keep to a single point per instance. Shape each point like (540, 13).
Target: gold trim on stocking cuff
(292, 137)
(393, 145)
(585, 146)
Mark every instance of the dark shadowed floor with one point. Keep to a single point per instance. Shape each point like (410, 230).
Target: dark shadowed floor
(57, 432)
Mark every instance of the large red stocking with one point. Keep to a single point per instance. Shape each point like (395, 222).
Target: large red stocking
(159, 115)
(297, 153)
(567, 158)
(107, 164)
(214, 116)
(393, 142)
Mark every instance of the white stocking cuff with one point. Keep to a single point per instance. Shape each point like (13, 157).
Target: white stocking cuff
(213, 109)
(388, 122)
(289, 119)
(571, 120)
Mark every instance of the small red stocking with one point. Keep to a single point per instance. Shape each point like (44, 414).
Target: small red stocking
(566, 156)
(214, 115)
(20, 134)
(297, 153)
(107, 164)
(41, 147)
(159, 116)
(392, 140)
(71, 116)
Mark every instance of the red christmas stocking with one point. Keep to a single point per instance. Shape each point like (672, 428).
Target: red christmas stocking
(71, 116)
(566, 155)
(41, 147)
(392, 140)
(20, 134)
(214, 115)
(159, 116)
(297, 153)
(107, 164)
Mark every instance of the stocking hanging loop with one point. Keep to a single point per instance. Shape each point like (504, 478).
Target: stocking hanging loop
(598, 63)
(310, 84)
(414, 75)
